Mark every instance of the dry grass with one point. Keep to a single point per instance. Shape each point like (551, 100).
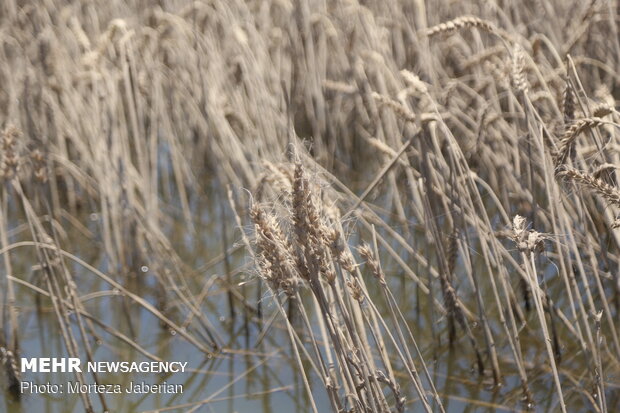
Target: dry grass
(408, 178)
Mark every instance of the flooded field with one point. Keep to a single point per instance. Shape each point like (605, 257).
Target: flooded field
(311, 206)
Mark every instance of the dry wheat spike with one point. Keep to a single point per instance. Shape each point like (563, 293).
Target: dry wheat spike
(460, 23)
(571, 133)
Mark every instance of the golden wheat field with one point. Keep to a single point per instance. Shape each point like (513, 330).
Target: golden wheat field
(309, 206)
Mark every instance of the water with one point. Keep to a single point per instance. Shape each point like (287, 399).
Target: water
(255, 370)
